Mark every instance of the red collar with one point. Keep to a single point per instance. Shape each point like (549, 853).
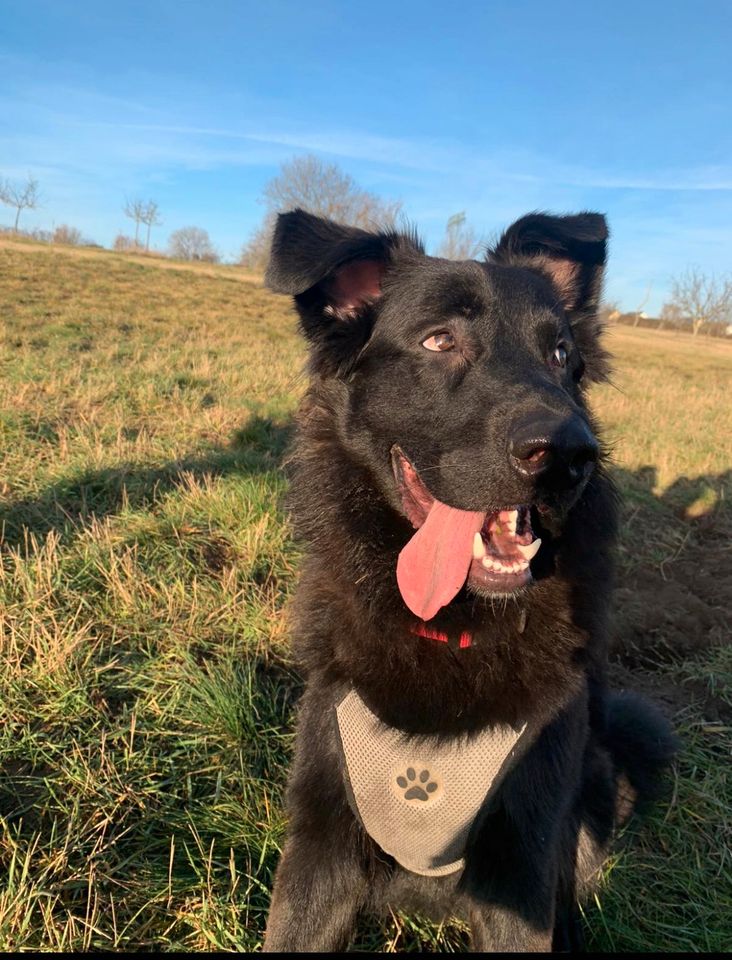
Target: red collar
(421, 629)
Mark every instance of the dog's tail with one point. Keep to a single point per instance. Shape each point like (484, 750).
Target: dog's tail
(642, 745)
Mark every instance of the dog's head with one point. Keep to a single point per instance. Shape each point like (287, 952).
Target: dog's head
(462, 384)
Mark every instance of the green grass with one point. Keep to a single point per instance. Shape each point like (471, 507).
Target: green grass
(146, 690)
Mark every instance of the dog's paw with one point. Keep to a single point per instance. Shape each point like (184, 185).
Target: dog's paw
(416, 787)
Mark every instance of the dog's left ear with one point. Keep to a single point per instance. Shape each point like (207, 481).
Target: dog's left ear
(570, 251)
(334, 273)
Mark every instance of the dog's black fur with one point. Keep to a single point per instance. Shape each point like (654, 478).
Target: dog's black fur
(367, 302)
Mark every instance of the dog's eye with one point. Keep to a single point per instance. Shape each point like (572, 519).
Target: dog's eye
(559, 357)
(439, 342)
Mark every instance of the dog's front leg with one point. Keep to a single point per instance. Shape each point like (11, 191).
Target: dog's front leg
(519, 841)
(497, 929)
(317, 896)
(520, 917)
(513, 892)
(320, 882)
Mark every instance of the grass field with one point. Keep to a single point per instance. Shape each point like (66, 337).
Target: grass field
(146, 690)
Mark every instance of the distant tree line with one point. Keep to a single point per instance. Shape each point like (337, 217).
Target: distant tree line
(307, 182)
(698, 303)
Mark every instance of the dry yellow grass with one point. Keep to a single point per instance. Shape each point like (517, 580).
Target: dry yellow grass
(669, 407)
(152, 259)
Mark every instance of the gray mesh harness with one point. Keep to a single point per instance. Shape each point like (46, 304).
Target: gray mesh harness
(416, 798)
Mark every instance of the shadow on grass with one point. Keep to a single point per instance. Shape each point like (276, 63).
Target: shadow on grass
(258, 448)
(702, 498)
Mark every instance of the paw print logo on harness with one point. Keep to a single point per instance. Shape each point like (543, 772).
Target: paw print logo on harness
(417, 785)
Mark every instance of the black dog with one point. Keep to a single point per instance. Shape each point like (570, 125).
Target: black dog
(449, 398)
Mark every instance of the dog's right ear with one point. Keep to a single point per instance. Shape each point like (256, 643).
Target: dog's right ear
(334, 273)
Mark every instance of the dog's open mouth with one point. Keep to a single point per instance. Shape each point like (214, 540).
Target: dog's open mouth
(488, 552)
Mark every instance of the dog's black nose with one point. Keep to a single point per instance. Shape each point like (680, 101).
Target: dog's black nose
(562, 451)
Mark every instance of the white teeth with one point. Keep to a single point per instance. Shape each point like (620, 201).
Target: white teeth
(478, 547)
(512, 521)
(530, 550)
(492, 563)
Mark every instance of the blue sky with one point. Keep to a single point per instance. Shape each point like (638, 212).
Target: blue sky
(495, 108)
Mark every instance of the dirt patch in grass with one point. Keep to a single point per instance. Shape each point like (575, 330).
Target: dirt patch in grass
(674, 592)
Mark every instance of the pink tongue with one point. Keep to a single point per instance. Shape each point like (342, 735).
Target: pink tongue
(434, 564)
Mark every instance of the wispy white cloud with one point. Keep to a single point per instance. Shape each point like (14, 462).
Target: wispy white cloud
(89, 127)
(698, 178)
(441, 156)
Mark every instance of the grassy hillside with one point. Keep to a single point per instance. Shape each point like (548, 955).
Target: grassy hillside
(146, 694)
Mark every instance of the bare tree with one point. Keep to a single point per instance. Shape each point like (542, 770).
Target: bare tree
(151, 219)
(701, 299)
(671, 316)
(255, 252)
(639, 312)
(192, 243)
(608, 312)
(24, 196)
(321, 188)
(461, 241)
(324, 189)
(66, 234)
(135, 210)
